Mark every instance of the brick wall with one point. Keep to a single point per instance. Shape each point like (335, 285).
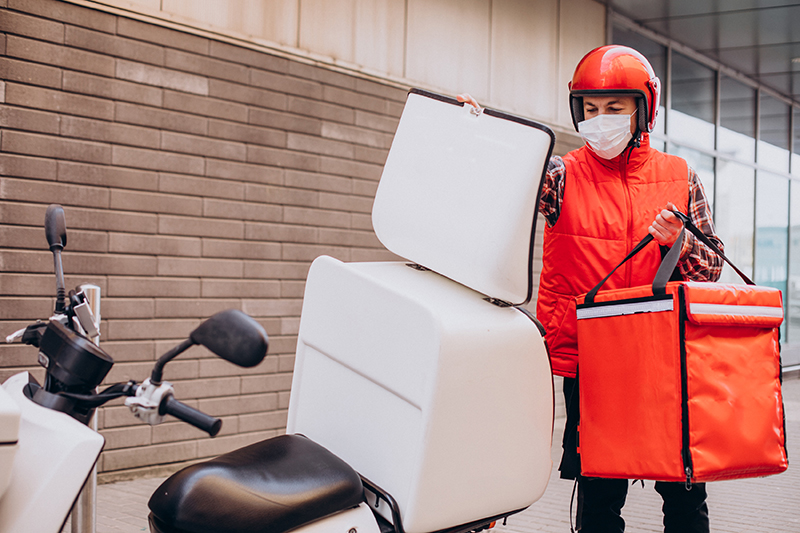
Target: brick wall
(196, 176)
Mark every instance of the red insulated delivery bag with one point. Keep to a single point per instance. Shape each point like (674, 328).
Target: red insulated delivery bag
(680, 381)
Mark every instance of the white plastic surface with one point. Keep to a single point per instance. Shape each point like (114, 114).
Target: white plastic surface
(9, 430)
(359, 519)
(56, 454)
(437, 396)
(458, 195)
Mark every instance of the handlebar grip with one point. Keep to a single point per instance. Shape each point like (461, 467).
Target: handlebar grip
(200, 420)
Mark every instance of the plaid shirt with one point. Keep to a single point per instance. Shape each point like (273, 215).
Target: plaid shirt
(697, 262)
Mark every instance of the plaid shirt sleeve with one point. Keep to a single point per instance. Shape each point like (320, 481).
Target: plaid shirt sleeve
(697, 262)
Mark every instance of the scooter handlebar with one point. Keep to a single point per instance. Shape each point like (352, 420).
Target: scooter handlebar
(200, 420)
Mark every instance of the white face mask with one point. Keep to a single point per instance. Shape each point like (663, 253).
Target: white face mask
(607, 135)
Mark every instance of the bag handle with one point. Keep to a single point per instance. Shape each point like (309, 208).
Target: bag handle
(670, 261)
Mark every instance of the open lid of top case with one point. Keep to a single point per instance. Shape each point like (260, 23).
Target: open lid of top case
(459, 194)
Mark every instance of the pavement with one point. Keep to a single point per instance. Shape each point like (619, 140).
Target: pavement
(770, 504)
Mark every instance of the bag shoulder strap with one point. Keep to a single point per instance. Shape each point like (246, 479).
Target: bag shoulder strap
(670, 261)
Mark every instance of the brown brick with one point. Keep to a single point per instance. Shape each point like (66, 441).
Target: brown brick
(354, 99)
(38, 28)
(29, 119)
(209, 107)
(198, 186)
(284, 121)
(81, 217)
(18, 355)
(27, 167)
(106, 176)
(152, 33)
(262, 421)
(372, 255)
(49, 192)
(68, 13)
(286, 362)
(42, 285)
(382, 90)
(216, 208)
(61, 102)
(315, 217)
(365, 188)
(215, 447)
(211, 268)
(324, 75)
(24, 308)
(148, 455)
(373, 121)
(231, 170)
(318, 182)
(151, 287)
(155, 202)
(282, 158)
(286, 84)
(245, 56)
(281, 195)
(113, 46)
(236, 92)
(270, 307)
(218, 367)
(280, 233)
(84, 128)
(283, 400)
(156, 160)
(356, 135)
(150, 329)
(21, 214)
(56, 147)
(206, 66)
(160, 118)
(322, 110)
(361, 221)
(154, 244)
(342, 202)
(394, 109)
(125, 308)
(181, 431)
(339, 237)
(126, 437)
(142, 73)
(292, 289)
(29, 73)
(85, 241)
(276, 269)
(235, 405)
(59, 55)
(318, 145)
(240, 249)
(127, 351)
(354, 169)
(184, 308)
(200, 227)
(283, 345)
(3, 38)
(308, 252)
(202, 146)
(111, 89)
(291, 325)
(240, 288)
(249, 134)
(111, 265)
(371, 155)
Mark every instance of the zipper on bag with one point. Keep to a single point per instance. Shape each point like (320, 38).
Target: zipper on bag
(686, 453)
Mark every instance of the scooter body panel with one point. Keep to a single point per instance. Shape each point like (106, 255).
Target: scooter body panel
(56, 454)
(439, 397)
(358, 519)
(9, 433)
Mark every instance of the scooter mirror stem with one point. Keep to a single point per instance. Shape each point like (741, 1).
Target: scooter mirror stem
(55, 229)
(158, 369)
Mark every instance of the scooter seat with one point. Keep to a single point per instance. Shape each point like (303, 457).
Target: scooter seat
(272, 486)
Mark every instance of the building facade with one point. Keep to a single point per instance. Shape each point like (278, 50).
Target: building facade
(206, 152)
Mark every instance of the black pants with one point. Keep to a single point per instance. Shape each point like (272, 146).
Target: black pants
(600, 501)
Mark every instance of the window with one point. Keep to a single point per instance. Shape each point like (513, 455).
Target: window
(737, 133)
(691, 119)
(773, 142)
(734, 216)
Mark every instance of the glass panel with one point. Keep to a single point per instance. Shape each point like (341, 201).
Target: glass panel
(737, 133)
(656, 54)
(733, 216)
(796, 142)
(691, 119)
(772, 230)
(773, 142)
(702, 164)
(790, 352)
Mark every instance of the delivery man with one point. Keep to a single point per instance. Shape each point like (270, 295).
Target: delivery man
(599, 201)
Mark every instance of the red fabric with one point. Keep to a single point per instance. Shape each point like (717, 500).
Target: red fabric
(608, 207)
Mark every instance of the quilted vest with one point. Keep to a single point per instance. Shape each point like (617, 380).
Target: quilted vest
(607, 208)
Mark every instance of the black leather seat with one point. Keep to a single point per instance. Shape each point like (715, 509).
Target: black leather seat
(272, 486)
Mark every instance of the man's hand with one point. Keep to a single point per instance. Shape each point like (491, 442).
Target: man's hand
(666, 227)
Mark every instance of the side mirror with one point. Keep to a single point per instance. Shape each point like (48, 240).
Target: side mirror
(234, 336)
(55, 226)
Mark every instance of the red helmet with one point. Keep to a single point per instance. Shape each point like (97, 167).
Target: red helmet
(615, 69)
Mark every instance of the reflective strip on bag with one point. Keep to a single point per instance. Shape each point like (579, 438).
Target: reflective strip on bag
(756, 311)
(628, 308)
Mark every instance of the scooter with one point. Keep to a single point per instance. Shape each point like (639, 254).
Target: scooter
(47, 451)
(422, 396)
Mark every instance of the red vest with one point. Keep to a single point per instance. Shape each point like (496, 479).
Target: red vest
(607, 208)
